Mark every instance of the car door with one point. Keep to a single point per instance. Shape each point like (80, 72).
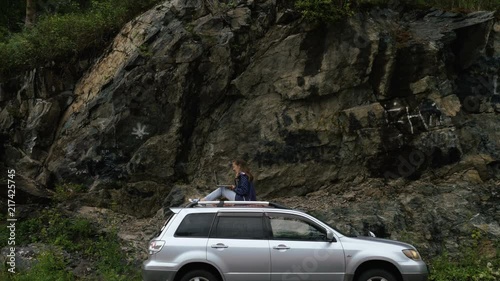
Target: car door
(239, 246)
(300, 251)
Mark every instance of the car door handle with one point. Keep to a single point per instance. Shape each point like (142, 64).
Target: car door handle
(219, 246)
(281, 247)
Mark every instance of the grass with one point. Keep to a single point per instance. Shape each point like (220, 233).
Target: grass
(76, 236)
(445, 268)
(478, 261)
(50, 267)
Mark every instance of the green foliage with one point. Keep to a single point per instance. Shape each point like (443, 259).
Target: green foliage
(51, 266)
(69, 33)
(145, 51)
(323, 10)
(48, 7)
(76, 236)
(11, 17)
(51, 227)
(473, 264)
(328, 11)
(227, 6)
(111, 263)
(458, 5)
(67, 191)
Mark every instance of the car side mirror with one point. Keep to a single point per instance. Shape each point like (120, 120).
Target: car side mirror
(371, 234)
(329, 236)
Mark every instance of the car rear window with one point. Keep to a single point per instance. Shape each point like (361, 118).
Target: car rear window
(195, 225)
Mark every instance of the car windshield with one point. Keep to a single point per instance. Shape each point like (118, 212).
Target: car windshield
(331, 226)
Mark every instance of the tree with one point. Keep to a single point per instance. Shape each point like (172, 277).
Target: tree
(30, 13)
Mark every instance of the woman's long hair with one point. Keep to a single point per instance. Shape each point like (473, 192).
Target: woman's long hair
(244, 168)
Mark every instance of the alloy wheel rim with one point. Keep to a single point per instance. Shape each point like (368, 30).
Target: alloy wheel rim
(377, 278)
(199, 279)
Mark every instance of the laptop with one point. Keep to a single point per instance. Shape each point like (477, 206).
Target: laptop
(219, 184)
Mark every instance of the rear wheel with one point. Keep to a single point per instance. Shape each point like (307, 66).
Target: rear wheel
(376, 275)
(199, 275)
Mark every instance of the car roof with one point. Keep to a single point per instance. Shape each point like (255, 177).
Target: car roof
(229, 206)
(235, 207)
(243, 204)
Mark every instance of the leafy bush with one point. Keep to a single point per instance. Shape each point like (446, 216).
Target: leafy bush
(75, 236)
(334, 10)
(58, 37)
(460, 5)
(472, 264)
(51, 227)
(67, 191)
(323, 10)
(50, 266)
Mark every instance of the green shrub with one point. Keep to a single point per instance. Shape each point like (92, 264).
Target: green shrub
(67, 191)
(60, 36)
(460, 5)
(111, 263)
(51, 227)
(323, 10)
(75, 236)
(445, 268)
(479, 261)
(50, 266)
(334, 10)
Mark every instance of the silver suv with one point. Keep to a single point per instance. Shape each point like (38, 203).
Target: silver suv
(254, 241)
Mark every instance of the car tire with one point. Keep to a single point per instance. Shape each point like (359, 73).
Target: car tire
(199, 275)
(376, 275)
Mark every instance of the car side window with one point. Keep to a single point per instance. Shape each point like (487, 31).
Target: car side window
(236, 227)
(285, 227)
(195, 225)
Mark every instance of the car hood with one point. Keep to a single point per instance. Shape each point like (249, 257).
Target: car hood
(378, 241)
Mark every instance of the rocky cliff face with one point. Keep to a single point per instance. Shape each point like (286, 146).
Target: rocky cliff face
(387, 121)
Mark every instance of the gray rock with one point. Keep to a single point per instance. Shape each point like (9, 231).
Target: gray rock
(175, 198)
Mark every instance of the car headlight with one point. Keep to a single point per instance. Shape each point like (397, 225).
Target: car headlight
(412, 254)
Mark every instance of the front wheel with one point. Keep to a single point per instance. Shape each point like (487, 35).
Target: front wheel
(376, 275)
(199, 275)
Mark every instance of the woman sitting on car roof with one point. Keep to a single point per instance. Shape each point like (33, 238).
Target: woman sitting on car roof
(242, 190)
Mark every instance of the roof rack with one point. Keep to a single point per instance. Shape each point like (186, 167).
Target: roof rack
(223, 203)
